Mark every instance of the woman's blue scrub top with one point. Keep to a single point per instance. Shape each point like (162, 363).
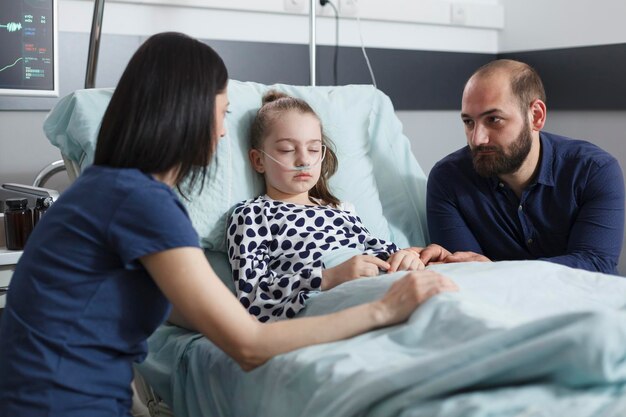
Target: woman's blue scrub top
(80, 304)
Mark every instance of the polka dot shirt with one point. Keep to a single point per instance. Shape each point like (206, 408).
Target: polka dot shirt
(275, 250)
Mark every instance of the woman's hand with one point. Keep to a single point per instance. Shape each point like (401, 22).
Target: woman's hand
(205, 304)
(407, 293)
(355, 267)
(405, 260)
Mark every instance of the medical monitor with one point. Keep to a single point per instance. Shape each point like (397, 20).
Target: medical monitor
(28, 48)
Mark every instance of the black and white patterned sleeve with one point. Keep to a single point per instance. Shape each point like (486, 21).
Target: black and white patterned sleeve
(262, 288)
(380, 248)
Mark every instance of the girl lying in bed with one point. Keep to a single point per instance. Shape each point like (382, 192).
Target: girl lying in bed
(277, 240)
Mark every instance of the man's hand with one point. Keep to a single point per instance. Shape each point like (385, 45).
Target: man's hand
(405, 260)
(466, 257)
(435, 254)
(355, 267)
(432, 254)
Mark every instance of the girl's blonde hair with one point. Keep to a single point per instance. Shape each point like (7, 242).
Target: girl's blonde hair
(274, 105)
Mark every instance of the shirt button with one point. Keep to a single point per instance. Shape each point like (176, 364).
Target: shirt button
(520, 208)
(529, 241)
(501, 185)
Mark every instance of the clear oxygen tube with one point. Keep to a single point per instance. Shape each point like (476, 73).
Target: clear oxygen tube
(298, 167)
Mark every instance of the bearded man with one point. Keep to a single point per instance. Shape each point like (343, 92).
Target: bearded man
(516, 192)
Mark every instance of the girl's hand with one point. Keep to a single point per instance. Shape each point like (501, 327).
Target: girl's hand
(405, 260)
(355, 267)
(407, 293)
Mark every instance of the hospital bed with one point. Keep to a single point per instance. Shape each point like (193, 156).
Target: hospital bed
(524, 338)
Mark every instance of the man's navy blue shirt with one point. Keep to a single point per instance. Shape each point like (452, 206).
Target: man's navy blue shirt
(572, 213)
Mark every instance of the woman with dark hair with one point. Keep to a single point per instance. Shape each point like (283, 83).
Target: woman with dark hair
(97, 273)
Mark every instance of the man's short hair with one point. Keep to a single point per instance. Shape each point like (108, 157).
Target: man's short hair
(526, 84)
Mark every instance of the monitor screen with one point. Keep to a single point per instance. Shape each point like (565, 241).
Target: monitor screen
(28, 48)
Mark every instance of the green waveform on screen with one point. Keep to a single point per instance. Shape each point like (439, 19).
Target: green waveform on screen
(12, 26)
(12, 65)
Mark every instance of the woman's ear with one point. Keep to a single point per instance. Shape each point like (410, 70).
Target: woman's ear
(256, 160)
(538, 114)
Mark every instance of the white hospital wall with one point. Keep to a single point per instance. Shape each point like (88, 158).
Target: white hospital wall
(428, 27)
(433, 134)
(24, 150)
(547, 24)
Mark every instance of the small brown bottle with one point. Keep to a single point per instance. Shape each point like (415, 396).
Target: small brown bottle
(41, 205)
(18, 223)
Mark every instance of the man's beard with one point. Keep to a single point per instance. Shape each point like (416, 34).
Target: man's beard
(503, 162)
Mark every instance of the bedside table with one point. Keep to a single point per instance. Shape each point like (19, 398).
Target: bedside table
(8, 260)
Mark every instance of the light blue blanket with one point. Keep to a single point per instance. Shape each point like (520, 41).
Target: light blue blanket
(520, 339)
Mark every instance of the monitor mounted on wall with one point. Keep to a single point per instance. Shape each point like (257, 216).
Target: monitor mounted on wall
(28, 48)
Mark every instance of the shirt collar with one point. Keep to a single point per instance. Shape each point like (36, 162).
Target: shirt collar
(545, 175)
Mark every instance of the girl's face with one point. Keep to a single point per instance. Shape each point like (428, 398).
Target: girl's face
(294, 140)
